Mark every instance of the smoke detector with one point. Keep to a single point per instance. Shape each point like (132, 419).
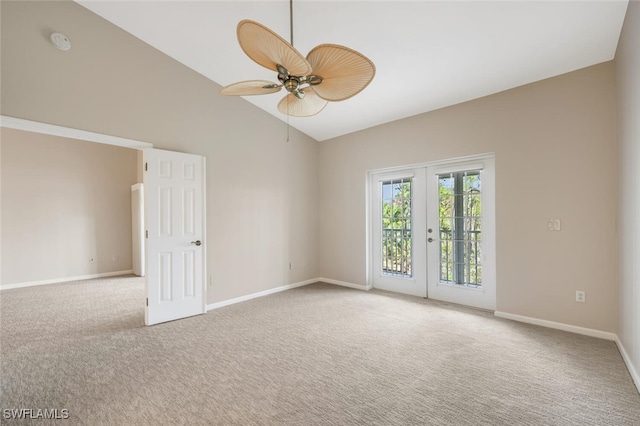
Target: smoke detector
(60, 41)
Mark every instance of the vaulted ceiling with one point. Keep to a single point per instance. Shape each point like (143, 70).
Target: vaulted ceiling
(428, 54)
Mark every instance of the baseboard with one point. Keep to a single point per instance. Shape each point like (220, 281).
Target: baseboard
(65, 279)
(558, 326)
(345, 284)
(235, 300)
(627, 361)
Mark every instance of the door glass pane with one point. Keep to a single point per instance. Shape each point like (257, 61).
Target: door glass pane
(396, 228)
(460, 233)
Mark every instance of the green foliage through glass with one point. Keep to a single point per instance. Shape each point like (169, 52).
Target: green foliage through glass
(396, 227)
(460, 223)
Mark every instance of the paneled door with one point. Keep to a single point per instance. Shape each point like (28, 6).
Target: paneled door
(174, 230)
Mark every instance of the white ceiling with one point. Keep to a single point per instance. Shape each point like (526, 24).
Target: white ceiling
(428, 54)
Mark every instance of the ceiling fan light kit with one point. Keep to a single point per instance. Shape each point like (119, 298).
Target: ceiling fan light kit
(329, 73)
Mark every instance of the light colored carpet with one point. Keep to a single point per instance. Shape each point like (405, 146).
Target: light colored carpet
(315, 355)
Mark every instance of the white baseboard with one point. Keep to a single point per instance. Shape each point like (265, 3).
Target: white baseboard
(627, 361)
(345, 284)
(580, 330)
(235, 300)
(65, 279)
(558, 326)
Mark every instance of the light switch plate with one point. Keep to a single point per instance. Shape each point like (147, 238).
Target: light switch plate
(554, 225)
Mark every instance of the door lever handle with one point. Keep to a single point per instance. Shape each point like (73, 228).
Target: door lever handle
(197, 242)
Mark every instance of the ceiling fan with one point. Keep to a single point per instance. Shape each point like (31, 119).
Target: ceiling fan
(329, 73)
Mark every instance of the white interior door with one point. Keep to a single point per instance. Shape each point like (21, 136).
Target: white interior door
(174, 220)
(398, 220)
(461, 233)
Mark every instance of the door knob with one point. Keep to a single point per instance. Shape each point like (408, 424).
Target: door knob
(197, 242)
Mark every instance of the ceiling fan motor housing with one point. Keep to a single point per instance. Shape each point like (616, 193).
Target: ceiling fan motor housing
(292, 84)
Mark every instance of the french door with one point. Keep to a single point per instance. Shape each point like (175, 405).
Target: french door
(399, 231)
(460, 233)
(432, 232)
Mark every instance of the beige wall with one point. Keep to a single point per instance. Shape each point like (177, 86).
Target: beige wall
(64, 202)
(628, 84)
(555, 148)
(261, 190)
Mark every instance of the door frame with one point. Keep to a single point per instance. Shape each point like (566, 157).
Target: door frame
(397, 170)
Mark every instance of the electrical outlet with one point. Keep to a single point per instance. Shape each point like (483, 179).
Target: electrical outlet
(581, 296)
(291, 265)
(210, 281)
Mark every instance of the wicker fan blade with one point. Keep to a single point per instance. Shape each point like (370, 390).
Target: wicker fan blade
(251, 87)
(310, 105)
(269, 49)
(345, 72)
